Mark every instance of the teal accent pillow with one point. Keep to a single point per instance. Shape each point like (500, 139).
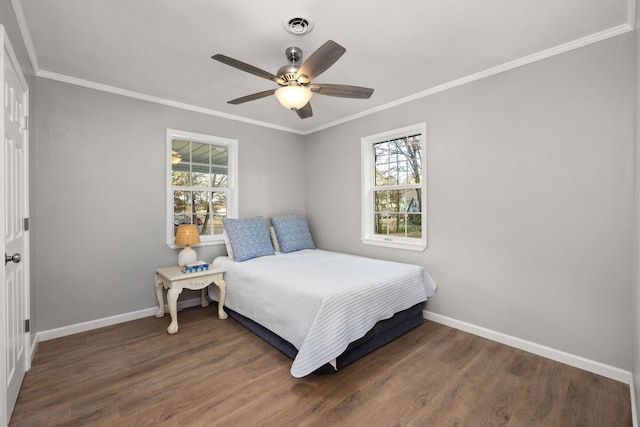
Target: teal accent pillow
(293, 233)
(249, 237)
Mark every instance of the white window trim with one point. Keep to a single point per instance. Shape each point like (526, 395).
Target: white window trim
(368, 236)
(232, 189)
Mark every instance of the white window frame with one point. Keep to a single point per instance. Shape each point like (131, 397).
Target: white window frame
(368, 235)
(231, 189)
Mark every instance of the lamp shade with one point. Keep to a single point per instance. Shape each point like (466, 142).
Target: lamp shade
(187, 235)
(293, 97)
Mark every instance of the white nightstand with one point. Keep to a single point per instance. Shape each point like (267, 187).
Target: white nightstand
(174, 280)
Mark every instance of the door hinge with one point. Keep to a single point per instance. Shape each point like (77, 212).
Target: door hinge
(26, 224)
(26, 123)
(27, 325)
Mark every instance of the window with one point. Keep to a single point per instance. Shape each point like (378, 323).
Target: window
(201, 183)
(394, 188)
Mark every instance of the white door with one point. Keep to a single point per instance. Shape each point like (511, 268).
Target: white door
(14, 292)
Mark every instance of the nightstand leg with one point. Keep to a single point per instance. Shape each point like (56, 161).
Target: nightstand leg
(172, 302)
(223, 294)
(204, 301)
(159, 295)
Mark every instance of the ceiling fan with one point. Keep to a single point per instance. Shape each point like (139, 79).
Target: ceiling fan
(295, 79)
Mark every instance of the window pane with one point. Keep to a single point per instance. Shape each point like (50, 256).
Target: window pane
(219, 166)
(393, 152)
(181, 202)
(201, 201)
(410, 201)
(180, 155)
(394, 200)
(380, 198)
(381, 151)
(202, 206)
(378, 225)
(181, 151)
(200, 175)
(414, 225)
(179, 178)
(219, 206)
(219, 155)
(402, 225)
(182, 209)
(402, 173)
(382, 175)
(387, 223)
(392, 178)
(200, 153)
(200, 170)
(414, 156)
(219, 178)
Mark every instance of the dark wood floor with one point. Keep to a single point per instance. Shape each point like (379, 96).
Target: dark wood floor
(215, 372)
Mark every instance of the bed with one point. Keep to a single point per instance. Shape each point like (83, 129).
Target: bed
(323, 309)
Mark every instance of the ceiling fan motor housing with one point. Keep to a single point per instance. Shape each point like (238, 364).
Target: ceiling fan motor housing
(289, 72)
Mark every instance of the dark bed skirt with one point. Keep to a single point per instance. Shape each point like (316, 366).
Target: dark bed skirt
(382, 333)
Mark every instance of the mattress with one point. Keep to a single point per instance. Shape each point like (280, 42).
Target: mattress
(382, 333)
(321, 301)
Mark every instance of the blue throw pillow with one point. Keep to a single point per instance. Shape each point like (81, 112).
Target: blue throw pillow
(292, 232)
(249, 237)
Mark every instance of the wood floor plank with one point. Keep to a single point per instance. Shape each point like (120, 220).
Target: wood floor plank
(216, 372)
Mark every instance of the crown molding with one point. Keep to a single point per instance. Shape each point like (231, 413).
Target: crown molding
(631, 13)
(26, 34)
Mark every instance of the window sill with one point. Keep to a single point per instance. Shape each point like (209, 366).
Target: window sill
(396, 243)
(205, 243)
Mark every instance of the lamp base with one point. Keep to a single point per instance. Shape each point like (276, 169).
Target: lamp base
(187, 255)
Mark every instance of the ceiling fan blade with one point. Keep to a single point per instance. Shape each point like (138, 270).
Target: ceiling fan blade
(252, 97)
(247, 68)
(321, 60)
(343, 91)
(305, 112)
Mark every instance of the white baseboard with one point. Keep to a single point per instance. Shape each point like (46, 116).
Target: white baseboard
(531, 347)
(106, 321)
(634, 413)
(34, 347)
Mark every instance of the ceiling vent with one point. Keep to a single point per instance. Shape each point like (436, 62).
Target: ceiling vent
(298, 24)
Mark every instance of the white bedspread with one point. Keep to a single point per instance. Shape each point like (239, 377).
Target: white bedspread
(320, 301)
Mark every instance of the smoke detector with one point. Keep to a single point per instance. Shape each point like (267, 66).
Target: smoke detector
(298, 24)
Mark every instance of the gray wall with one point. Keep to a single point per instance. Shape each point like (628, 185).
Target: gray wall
(636, 253)
(100, 196)
(530, 199)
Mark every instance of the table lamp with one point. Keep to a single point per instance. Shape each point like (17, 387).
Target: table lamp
(187, 235)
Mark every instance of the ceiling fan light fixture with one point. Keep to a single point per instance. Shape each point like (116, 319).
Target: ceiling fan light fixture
(175, 157)
(293, 97)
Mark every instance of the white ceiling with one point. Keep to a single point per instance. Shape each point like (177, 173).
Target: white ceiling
(161, 49)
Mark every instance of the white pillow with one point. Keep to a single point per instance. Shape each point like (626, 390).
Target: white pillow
(227, 244)
(274, 239)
